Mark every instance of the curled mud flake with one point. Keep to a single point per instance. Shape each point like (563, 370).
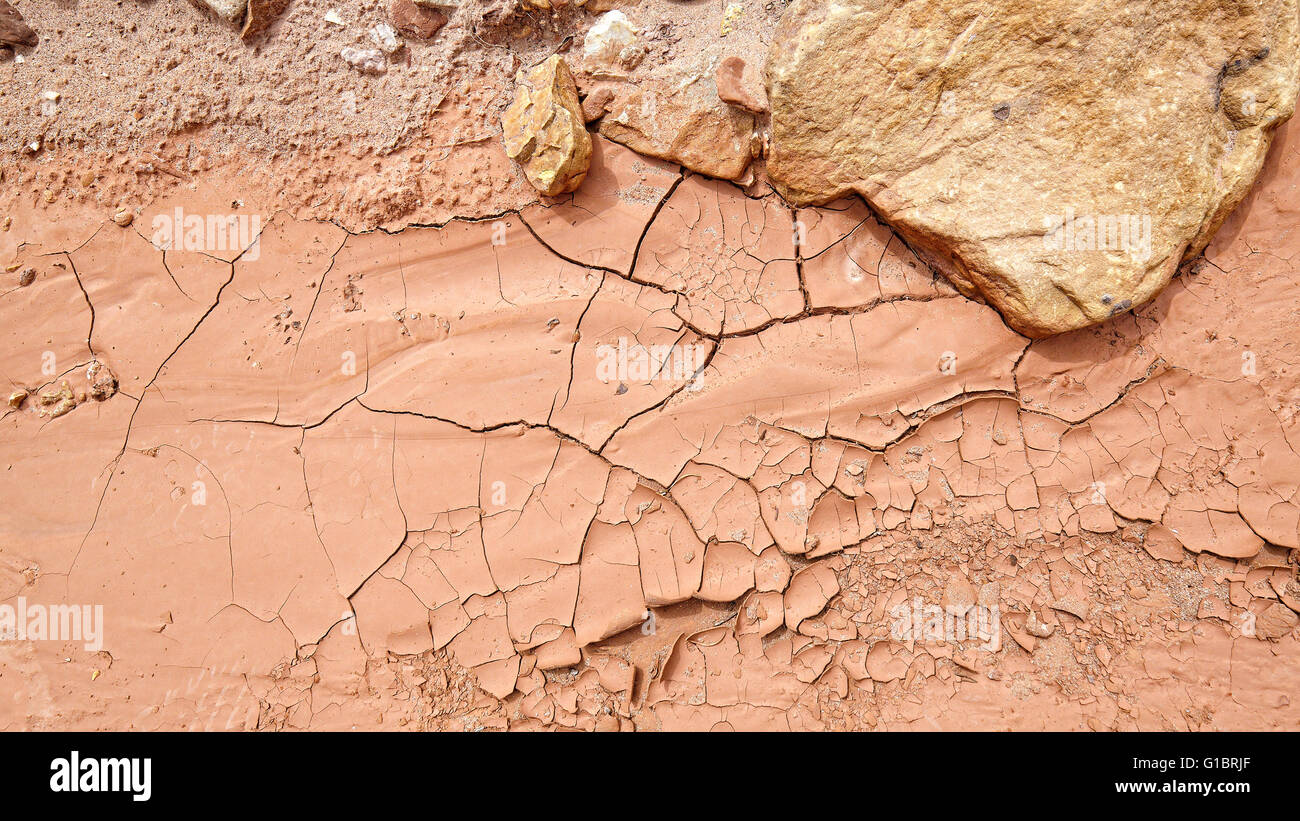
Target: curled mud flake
(772, 572)
(729, 572)
(886, 661)
(1276, 621)
(760, 614)
(808, 593)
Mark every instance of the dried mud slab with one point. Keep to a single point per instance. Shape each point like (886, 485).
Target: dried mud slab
(660, 453)
(1059, 160)
(732, 259)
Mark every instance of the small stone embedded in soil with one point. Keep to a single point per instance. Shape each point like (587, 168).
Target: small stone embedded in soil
(56, 403)
(261, 15)
(596, 103)
(416, 21)
(365, 60)
(103, 384)
(385, 38)
(1037, 628)
(676, 115)
(229, 10)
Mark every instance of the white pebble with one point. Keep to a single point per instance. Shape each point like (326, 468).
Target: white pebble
(368, 60)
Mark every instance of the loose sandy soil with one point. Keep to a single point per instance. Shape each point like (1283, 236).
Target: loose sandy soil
(397, 450)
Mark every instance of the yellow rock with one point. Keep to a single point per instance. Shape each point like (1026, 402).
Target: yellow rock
(544, 129)
(1058, 157)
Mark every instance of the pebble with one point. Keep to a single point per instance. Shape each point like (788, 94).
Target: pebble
(366, 60)
(385, 37)
(607, 38)
(417, 21)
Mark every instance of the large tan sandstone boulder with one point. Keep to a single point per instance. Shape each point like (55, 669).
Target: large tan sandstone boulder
(1058, 157)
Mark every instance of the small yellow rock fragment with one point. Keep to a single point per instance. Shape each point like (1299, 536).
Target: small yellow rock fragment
(543, 130)
(732, 13)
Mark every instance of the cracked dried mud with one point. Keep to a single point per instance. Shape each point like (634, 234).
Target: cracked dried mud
(388, 440)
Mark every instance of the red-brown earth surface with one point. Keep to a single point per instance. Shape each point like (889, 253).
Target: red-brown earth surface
(371, 468)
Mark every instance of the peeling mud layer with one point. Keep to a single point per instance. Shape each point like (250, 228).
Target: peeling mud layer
(317, 416)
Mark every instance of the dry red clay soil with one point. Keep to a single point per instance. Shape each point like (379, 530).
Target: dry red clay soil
(410, 447)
